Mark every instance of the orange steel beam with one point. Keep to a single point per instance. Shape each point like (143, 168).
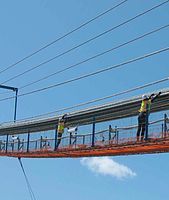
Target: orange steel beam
(129, 148)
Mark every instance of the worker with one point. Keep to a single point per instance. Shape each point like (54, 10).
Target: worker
(143, 112)
(73, 134)
(60, 129)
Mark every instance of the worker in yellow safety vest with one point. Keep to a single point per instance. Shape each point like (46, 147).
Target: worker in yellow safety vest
(144, 112)
(60, 129)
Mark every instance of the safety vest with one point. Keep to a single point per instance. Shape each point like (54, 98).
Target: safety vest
(61, 127)
(144, 105)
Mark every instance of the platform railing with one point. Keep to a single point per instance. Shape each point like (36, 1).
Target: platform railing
(108, 137)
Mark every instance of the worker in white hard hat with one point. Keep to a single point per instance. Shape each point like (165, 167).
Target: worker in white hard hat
(60, 129)
(144, 112)
(73, 134)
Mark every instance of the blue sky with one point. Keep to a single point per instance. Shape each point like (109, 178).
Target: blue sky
(27, 26)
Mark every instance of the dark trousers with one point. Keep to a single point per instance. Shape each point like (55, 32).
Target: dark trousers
(59, 139)
(141, 125)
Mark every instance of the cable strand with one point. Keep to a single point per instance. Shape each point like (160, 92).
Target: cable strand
(32, 195)
(98, 99)
(83, 43)
(62, 37)
(91, 74)
(95, 56)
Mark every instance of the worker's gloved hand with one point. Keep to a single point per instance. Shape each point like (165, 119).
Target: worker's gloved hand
(152, 95)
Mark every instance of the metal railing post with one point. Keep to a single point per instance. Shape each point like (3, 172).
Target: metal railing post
(56, 136)
(36, 144)
(93, 131)
(75, 139)
(146, 128)
(41, 142)
(28, 140)
(165, 125)
(109, 133)
(70, 139)
(7, 138)
(83, 139)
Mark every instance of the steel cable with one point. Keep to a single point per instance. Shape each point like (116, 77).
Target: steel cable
(97, 36)
(65, 35)
(92, 74)
(98, 99)
(32, 195)
(95, 56)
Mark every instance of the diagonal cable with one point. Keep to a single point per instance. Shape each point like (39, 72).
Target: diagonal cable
(32, 195)
(92, 73)
(91, 39)
(62, 37)
(96, 56)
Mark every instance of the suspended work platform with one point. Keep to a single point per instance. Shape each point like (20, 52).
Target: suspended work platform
(125, 148)
(28, 138)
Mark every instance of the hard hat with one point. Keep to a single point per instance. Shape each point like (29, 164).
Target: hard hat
(14, 137)
(72, 129)
(144, 97)
(64, 116)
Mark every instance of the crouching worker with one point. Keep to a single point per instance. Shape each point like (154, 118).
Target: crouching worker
(73, 134)
(143, 112)
(60, 129)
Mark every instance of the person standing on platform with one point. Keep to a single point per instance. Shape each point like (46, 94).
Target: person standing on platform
(144, 112)
(60, 129)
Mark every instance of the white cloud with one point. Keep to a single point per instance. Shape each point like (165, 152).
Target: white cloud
(107, 166)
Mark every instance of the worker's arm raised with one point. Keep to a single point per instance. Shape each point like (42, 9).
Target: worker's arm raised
(154, 96)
